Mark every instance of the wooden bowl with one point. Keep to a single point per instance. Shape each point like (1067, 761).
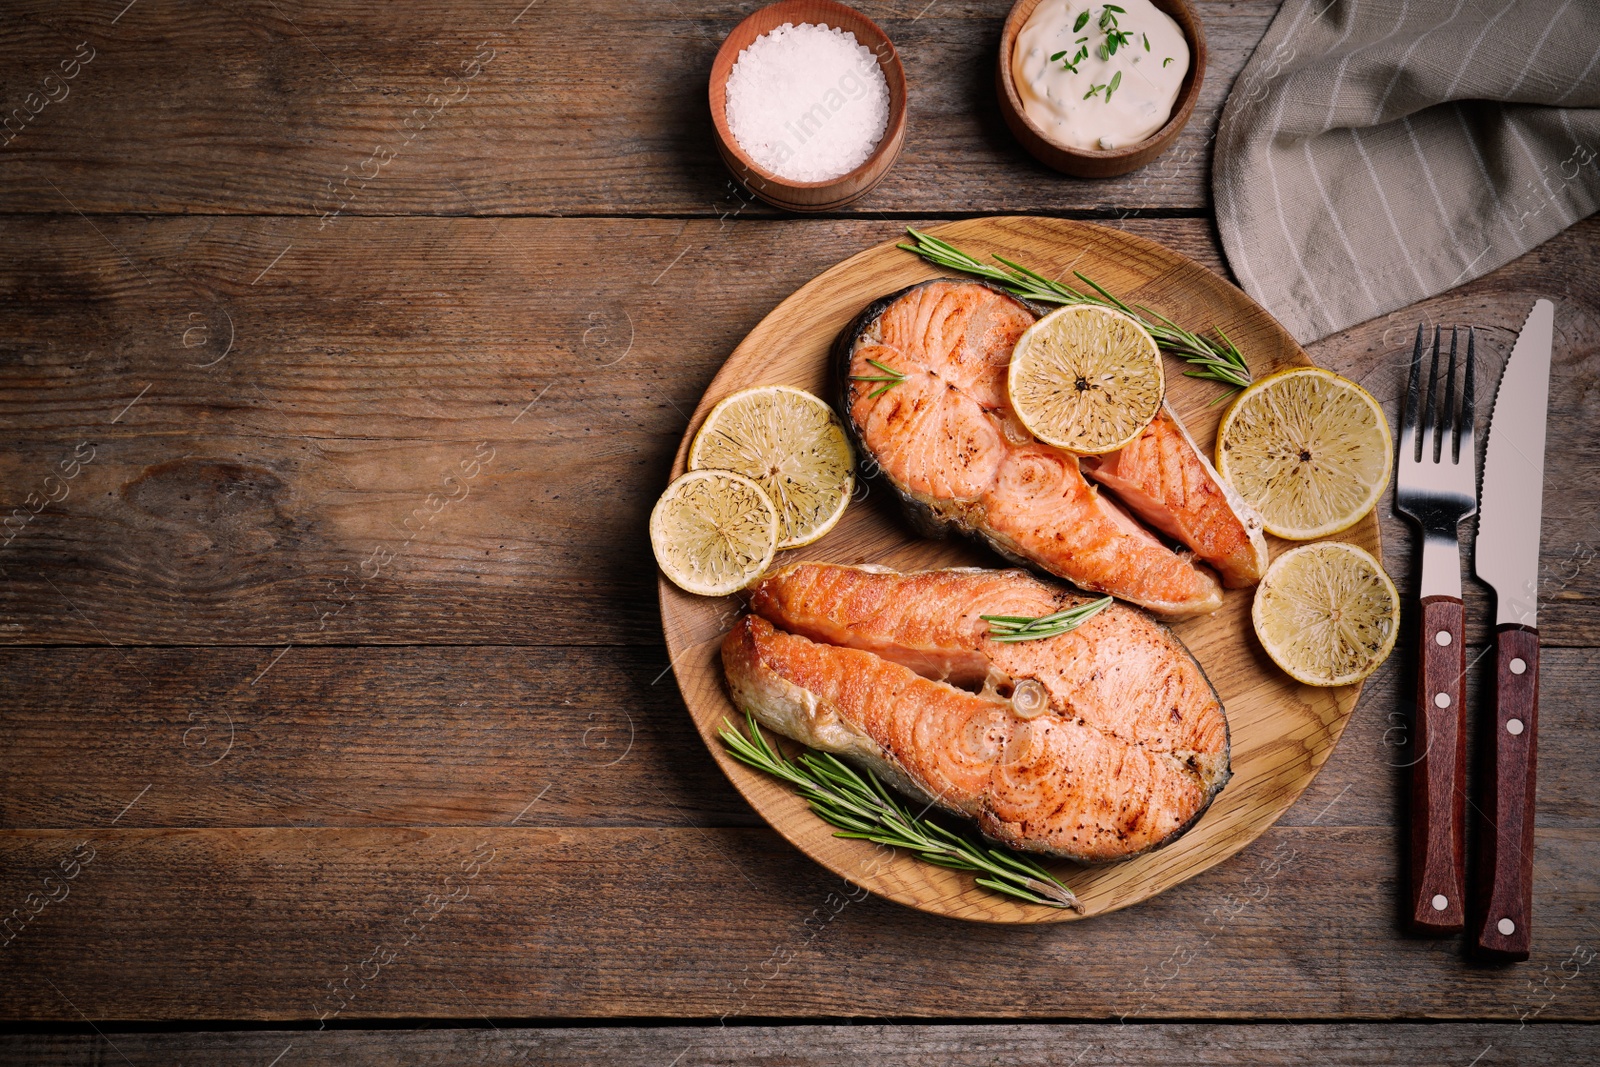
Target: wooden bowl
(1097, 163)
(836, 192)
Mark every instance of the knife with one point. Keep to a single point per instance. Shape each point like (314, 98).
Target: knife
(1506, 556)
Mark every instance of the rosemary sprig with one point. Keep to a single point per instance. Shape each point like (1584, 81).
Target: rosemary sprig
(890, 378)
(862, 807)
(1215, 360)
(1009, 629)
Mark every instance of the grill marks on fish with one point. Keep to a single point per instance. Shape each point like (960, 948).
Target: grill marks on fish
(1170, 484)
(897, 672)
(949, 443)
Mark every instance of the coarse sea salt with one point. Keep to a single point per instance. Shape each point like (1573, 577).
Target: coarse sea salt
(807, 102)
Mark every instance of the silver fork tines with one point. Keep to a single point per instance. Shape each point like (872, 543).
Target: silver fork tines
(1434, 491)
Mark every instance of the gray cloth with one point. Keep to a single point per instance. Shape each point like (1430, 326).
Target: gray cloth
(1376, 152)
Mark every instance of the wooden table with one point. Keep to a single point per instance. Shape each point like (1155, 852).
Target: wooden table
(344, 348)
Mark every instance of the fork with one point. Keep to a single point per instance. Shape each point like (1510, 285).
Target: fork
(1436, 486)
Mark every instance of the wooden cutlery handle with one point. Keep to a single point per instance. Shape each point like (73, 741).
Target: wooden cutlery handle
(1438, 773)
(1505, 869)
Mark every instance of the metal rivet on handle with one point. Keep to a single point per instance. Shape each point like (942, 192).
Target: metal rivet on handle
(1513, 726)
(1506, 927)
(1441, 700)
(1518, 666)
(1442, 637)
(1440, 902)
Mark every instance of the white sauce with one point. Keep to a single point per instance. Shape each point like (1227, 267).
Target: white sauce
(1067, 105)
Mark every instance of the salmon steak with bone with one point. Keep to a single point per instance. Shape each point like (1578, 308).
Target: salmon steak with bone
(1095, 744)
(947, 441)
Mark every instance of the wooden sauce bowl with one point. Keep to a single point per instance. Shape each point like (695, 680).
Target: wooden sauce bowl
(1098, 163)
(836, 192)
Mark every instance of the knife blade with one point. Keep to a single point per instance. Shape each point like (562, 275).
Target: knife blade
(1507, 550)
(1506, 556)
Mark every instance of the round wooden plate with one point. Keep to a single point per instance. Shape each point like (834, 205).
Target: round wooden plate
(1282, 731)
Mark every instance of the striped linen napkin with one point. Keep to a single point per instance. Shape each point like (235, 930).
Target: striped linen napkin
(1376, 152)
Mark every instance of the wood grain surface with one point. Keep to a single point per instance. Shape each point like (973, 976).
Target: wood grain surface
(631, 922)
(274, 272)
(301, 108)
(1135, 1045)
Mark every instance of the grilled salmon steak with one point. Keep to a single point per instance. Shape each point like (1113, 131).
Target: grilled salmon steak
(1095, 745)
(946, 439)
(1170, 484)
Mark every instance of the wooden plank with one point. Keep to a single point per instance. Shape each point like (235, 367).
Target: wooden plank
(1026, 1045)
(466, 108)
(454, 736)
(459, 736)
(292, 488)
(698, 923)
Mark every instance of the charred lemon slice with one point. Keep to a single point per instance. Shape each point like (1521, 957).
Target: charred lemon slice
(1086, 378)
(1327, 613)
(1308, 449)
(793, 446)
(713, 532)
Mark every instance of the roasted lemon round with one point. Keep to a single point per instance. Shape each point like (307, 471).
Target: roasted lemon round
(792, 445)
(1326, 613)
(713, 532)
(1086, 378)
(1308, 449)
